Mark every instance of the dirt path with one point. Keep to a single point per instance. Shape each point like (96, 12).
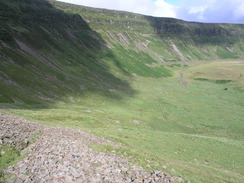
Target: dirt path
(181, 77)
(63, 155)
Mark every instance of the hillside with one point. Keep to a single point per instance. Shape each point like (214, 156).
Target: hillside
(168, 91)
(164, 39)
(169, 39)
(95, 50)
(46, 54)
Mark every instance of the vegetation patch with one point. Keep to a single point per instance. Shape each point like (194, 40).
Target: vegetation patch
(9, 155)
(222, 81)
(142, 160)
(213, 81)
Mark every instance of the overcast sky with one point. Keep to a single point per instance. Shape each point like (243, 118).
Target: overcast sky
(212, 11)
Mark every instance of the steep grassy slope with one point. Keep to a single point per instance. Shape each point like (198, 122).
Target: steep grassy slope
(127, 77)
(164, 39)
(38, 40)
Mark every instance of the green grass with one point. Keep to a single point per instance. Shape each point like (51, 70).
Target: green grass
(96, 82)
(215, 81)
(223, 72)
(8, 156)
(195, 130)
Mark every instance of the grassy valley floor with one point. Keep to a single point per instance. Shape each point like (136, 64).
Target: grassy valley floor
(189, 125)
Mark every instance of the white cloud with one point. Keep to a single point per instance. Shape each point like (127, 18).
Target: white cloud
(198, 12)
(212, 11)
(146, 7)
(164, 9)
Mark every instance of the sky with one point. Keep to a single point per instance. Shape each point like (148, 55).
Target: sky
(209, 11)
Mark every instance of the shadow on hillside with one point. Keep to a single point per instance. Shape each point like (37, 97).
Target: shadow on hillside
(59, 55)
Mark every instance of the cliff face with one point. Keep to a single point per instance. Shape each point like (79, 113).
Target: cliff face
(182, 28)
(80, 49)
(170, 39)
(132, 21)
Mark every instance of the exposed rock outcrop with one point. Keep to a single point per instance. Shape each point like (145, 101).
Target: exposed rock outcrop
(17, 131)
(63, 155)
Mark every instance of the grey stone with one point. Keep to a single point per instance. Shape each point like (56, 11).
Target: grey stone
(19, 181)
(10, 181)
(68, 179)
(63, 155)
(76, 174)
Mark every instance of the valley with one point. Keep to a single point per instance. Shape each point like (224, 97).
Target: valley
(189, 129)
(169, 92)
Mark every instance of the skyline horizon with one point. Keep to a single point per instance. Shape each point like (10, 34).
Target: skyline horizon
(191, 12)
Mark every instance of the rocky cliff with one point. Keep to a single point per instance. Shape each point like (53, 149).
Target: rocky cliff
(194, 40)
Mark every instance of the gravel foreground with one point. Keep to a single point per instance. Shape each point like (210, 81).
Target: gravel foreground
(62, 155)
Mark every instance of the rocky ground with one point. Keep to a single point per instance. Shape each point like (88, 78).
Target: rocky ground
(62, 155)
